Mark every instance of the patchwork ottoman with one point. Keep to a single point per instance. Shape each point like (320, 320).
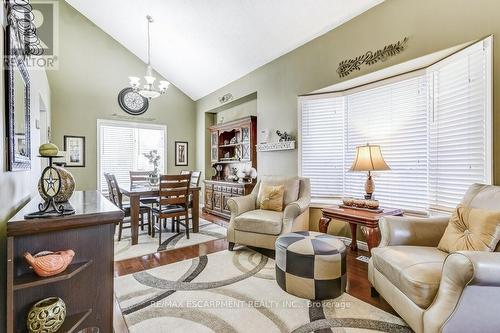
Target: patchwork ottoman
(311, 265)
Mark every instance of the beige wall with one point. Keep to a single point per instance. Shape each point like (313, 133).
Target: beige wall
(93, 68)
(242, 110)
(18, 187)
(203, 122)
(430, 25)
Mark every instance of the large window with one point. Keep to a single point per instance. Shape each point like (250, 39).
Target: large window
(122, 146)
(434, 128)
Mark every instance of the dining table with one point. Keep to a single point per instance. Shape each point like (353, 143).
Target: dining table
(137, 191)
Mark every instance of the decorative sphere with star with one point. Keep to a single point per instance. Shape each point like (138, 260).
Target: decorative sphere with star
(51, 182)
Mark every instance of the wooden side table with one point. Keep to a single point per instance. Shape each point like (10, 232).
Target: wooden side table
(366, 219)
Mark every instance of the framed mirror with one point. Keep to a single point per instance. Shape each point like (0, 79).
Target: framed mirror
(17, 85)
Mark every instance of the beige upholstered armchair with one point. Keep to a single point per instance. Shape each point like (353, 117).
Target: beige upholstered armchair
(253, 226)
(434, 291)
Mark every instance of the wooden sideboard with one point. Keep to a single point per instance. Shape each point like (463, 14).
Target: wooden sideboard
(86, 286)
(217, 193)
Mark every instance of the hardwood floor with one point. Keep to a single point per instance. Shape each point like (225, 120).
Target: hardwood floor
(357, 271)
(132, 265)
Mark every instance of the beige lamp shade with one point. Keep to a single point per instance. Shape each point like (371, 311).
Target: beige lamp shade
(369, 158)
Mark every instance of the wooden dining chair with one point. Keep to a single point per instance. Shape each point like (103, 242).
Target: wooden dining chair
(173, 202)
(138, 178)
(142, 178)
(195, 182)
(116, 197)
(195, 177)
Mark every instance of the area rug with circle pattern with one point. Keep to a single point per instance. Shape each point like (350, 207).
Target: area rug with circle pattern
(170, 240)
(236, 292)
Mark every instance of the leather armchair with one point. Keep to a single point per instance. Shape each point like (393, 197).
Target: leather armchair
(431, 290)
(250, 225)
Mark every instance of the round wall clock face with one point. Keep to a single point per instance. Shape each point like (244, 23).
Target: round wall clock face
(131, 102)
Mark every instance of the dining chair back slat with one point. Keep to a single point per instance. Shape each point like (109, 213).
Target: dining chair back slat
(115, 194)
(108, 183)
(139, 177)
(173, 201)
(172, 178)
(174, 189)
(195, 177)
(173, 185)
(173, 192)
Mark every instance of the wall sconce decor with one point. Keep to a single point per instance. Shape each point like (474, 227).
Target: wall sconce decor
(226, 98)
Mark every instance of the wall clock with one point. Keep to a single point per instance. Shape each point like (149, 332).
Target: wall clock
(132, 102)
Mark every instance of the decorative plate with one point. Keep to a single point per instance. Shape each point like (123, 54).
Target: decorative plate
(132, 102)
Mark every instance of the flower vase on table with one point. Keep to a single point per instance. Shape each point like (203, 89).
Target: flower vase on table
(154, 177)
(154, 159)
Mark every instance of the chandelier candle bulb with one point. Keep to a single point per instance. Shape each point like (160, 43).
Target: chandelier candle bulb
(134, 81)
(164, 85)
(150, 79)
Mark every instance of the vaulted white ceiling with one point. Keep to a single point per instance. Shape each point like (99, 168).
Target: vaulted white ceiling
(202, 45)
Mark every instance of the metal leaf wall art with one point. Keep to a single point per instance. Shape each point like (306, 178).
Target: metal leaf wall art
(346, 67)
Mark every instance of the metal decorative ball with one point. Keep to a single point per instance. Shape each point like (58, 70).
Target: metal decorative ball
(46, 316)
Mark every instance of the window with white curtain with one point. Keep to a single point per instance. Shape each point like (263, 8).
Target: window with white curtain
(122, 146)
(460, 124)
(322, 144)
(393, 116)
(434, 129)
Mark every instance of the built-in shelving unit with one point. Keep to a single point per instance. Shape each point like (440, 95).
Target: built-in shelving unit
(234, 143)
(86, 285)
(73, 322)
(233, 147)
(29, 280)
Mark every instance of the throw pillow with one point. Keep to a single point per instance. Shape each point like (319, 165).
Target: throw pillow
(272, 197)
(292, 187)
(471, 229)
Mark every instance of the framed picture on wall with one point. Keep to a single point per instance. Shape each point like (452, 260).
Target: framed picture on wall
(75, 150)
(181, 153)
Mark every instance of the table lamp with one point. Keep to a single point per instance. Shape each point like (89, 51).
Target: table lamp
(369, 158)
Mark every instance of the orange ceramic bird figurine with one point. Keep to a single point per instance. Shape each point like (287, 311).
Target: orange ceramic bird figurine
(49, 263)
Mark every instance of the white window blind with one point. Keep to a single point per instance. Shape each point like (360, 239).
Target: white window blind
(122, 147)
(322, 145)
(434, 131)
(393, 116)
(459, 125)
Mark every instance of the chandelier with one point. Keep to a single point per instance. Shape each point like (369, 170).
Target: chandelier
(148, 90)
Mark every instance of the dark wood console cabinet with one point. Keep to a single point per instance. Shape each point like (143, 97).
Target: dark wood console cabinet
(232, 146)
(217, 193)
(86, 286)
